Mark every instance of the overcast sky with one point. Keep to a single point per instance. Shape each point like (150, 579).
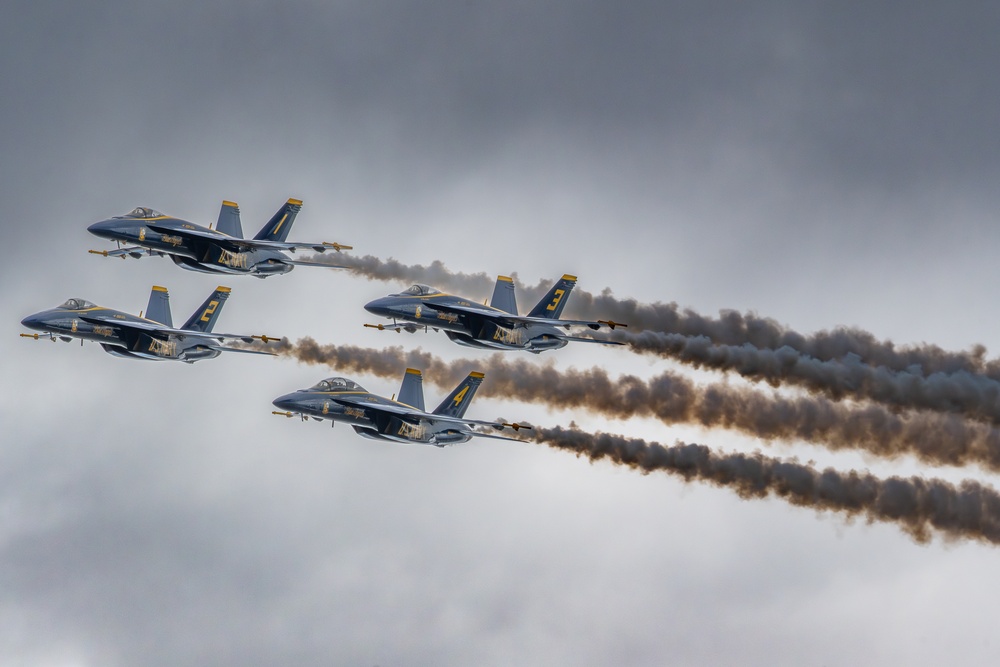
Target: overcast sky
(823, 164)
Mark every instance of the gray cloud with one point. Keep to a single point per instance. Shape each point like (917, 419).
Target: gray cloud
(823, 165)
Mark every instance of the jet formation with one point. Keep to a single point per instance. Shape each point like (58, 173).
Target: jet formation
(223, 250)
(150, 337)
(145, 231)
(496, 326)
(403, 420)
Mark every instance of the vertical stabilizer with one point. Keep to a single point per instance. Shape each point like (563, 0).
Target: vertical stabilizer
(277, 227)
(552, 304)
(411, 392)
(158, 309)
(458, 400)
(503, 295)
(229, 220)
(204, 318)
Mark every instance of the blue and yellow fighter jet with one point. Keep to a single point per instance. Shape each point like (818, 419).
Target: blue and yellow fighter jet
(144, 231)
(402, 420)
(497, 326)
(149, 337)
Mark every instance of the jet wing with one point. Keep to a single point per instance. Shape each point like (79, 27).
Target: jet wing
(228, 242)
(320, 247)
(163, 331)
(409, 414)
(509, 319)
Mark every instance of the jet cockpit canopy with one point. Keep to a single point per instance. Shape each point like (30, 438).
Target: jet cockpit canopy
(337, 384)
(77, 304)
(420, 290)
(143, 212)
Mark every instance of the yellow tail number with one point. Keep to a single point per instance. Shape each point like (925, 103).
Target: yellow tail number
(460, 395)
(212, 305)
(556, 299)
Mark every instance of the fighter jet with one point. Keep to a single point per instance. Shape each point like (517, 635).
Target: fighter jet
(402, 420)
(149, 337)
(497, 326)
(144, 231)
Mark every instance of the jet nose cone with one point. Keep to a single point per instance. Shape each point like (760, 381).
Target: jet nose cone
(104, 228)
(34, 321)
(286, 402)
(378, 306)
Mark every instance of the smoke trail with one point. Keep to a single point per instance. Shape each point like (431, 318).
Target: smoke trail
(736, 329)
(672, 399)
(919, 507)
(730, 328)
(970, 394)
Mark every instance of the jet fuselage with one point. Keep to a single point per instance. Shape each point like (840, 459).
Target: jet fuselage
(319, 402)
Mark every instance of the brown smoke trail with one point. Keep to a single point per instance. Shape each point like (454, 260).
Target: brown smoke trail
(920, 507)
(970, 394)
(736, 329)
(843, 363)
(730, 328)
(673, 399)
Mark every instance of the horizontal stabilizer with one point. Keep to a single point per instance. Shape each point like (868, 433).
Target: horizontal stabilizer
(579, 339)
(479, 434)
(306, 262)
(284, 245)
(221, 348)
